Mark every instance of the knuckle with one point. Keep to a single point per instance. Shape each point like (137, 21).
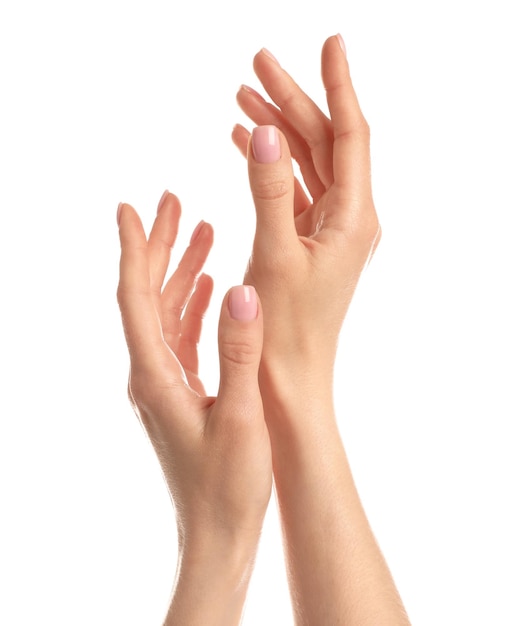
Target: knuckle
(273, 188)
(238, 352)
(365, 230)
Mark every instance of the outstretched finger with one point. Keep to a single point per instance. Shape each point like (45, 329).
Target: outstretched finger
(192, 323)
(180, 286)
(351, 158)
(161, 239)
(140, 318)
(300, 111)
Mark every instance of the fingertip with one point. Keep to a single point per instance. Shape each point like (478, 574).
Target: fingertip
(243, 303)
(341, 43)
(162, 200)
(240, 137)
(265, 142)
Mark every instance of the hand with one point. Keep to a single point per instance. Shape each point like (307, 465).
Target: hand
(308, 254)
(214, 452)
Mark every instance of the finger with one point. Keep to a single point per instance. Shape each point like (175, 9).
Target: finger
(192, 323)
(351, 159)
(272, 187)
(179, 287)
(240, 346)
(140, 318)
(162, 238)
(263, 113)
(303, 114)
(241, 137)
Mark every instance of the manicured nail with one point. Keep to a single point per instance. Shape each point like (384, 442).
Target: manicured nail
(271, 56)
(118, 214)
(265, 144)
(162, 200)
(242, 303)
(341, 43)
(252, 91)
(197, 231)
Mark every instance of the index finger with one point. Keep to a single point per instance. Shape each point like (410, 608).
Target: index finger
(140, 318)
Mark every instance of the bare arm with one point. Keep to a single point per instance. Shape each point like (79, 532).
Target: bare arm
(214, 451)
(308, 255)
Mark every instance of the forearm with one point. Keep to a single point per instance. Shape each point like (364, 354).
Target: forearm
(336, 571)
(212, 581)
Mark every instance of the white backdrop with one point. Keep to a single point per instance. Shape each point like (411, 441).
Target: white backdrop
(109, 101)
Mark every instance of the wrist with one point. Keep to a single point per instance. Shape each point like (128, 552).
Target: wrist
(212, 578)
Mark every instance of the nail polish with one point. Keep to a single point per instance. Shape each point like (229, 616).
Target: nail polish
(252, 91)
(242, 303)
(341, 43)
(162, 200)
(118, 214)
(271, 56)
(197, 231)
(265, 144)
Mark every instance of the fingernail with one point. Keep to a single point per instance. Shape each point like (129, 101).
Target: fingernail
(197, 231)
(265, 144)
(242, 303)
(271, 56)
(118, 214)
(252, 91)
(341, 43)
(162, 200)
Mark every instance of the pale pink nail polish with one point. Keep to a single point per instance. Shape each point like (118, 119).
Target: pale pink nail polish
(242, 303)
(341, 43)
(252, 91)
(118, 214)
(271, 56)
(162, 200)
(197, 231)
(265, 144)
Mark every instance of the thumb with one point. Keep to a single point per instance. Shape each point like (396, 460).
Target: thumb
(240, 347)
(272, 187)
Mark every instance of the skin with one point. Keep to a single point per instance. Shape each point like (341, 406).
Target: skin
(308, 254)
(214, 451)
(274, 412)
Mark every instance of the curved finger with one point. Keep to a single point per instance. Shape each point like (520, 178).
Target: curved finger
(241, 137)
(263, 113)
(180, 286)
(351, 158)
(298, 108)
(161, 239)
(192, 323)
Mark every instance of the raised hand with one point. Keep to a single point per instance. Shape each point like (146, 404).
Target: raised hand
(308, 254)
(309, 251)
(214, 452)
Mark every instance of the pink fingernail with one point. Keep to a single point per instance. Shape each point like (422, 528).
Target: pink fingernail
(265, 144)
(197, 231)
(341, 43)
(271, 56)
(162, 200)
(118, 214)
(242, 303)
(252, 91)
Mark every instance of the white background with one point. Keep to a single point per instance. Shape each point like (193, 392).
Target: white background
(109, 101)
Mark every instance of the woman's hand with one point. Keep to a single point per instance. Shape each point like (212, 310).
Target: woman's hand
(308, 253)
(214, 452)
